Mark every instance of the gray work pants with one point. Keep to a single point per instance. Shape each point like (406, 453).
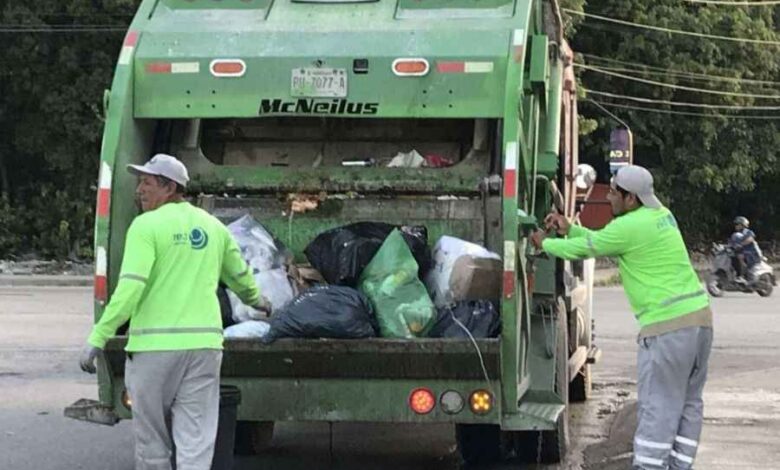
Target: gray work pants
(174, 393)
(672, 370)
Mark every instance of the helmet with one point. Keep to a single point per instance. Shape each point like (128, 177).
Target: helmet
(742, 221)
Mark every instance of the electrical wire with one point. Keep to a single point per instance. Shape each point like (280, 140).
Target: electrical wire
(680, 113)
(678, 87)
(62, 30)
(680, 103)
(736, 3)
(669, 30)
(479, 353)
(672, 72)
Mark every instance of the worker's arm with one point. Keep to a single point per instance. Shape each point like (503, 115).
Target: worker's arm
(583, 243)
(137, 263)
(577, 231)
(750, 237)
(237, 275)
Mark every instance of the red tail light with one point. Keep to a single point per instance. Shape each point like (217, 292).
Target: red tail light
(228, 67)
(410, 67)
(422, 401)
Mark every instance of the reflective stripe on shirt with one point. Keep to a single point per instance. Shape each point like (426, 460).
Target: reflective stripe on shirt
(174, 331)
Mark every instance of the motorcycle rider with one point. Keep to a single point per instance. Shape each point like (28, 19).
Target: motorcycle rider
(746, 251)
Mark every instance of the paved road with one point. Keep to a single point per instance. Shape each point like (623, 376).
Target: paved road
(42, 330)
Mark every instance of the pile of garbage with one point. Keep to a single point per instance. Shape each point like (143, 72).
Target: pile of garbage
(364, 280)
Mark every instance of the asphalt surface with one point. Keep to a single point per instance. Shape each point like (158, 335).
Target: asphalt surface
(42, 329)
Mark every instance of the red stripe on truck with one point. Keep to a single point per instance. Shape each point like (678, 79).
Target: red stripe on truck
(101, 288)
(509, 284)
(510, 183)
(158, 67)
(450, 67)
(103, 202)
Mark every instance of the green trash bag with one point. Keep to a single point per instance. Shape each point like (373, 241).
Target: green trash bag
(403, 307)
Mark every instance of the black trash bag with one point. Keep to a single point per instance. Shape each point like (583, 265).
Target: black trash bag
(341, 254)
(325, 312)
(480, 317)
(225, 309)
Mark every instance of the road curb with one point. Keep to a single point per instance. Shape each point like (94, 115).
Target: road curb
(22, 280)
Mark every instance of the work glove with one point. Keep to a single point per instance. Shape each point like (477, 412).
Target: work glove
(263, 305)
(87, 359)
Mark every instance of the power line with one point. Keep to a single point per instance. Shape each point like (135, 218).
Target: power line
(678, 87)
(680, 73)
(680, 103)
(681, 113)
(62, 30)
(736, 3)
(668, 30)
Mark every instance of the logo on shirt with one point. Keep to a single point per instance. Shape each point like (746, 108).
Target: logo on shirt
(198, 238)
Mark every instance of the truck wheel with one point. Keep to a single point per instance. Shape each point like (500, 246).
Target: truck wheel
(581, 386)
(483, 443)
(253, 437)
(555, 443)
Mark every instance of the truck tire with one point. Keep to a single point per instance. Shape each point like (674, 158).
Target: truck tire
(555, 443)
(253, 437)
(581, 386)
(483, 443)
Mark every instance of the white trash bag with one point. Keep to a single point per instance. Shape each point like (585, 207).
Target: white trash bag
(266, 258)
(248, 329)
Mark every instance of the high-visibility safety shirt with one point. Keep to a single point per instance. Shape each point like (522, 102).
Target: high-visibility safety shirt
(174, 258)
(655, 268)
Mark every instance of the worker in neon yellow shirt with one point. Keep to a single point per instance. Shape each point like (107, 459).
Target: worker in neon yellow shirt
(175, 255)
(670, 305)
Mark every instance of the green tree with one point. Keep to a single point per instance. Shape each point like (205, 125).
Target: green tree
(707, 168)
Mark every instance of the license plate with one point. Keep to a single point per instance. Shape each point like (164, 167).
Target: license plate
(319, 83)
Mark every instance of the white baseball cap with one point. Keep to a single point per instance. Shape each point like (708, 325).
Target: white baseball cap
(163, 165)
(636, 179)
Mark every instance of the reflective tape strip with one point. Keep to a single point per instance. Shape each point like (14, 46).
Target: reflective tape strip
(682, 458)
(518, 39)
(126, 54)
(509, 284)
(510, 170)
(478, 67)
(185, 67)
(591, 246)
(649, 461)
(680, 298)
(652, 445)
(104, 191)
(134, 277)
(510, 255)
(674, 300)
(511, 156)
(128, 47)
(518, 44)
(105, 176)
(686, 441)
(174, 331)
(101, 261)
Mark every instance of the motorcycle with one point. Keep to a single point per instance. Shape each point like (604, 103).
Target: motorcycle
(760, 277)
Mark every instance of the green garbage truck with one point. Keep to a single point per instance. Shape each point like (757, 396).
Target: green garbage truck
(269, 102)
